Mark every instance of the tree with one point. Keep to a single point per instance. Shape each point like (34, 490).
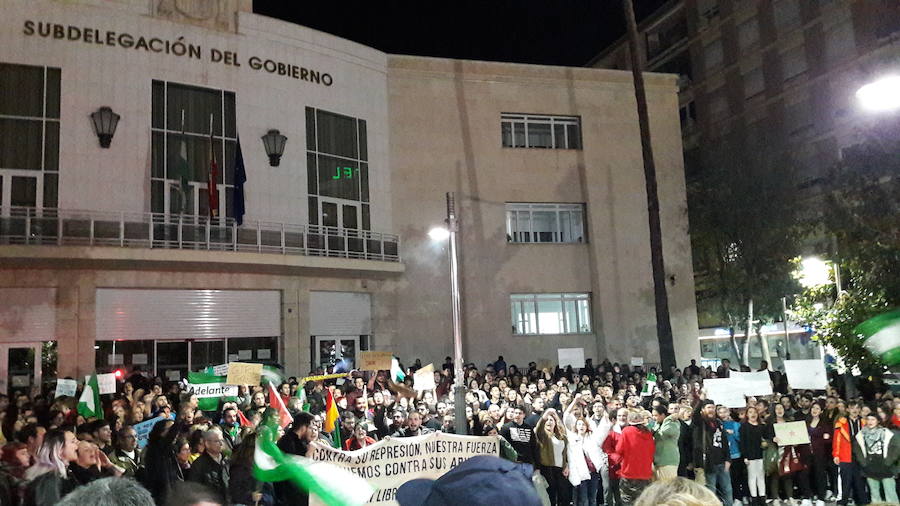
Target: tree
(744, 216)
(863, 213)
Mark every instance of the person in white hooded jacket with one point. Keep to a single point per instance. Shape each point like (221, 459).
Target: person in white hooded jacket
(584, 456)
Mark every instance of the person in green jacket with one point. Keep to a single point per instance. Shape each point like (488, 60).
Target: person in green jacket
(878, 453)
(665, 433)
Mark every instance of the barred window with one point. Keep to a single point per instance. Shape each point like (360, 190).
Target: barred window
(545, 223)
(551, 313)
(547, 132)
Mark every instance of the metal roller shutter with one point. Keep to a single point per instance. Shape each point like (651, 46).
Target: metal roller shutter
(340, 314)
(27, 314)
(187, 314)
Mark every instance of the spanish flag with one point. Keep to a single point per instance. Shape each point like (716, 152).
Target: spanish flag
(332, 425)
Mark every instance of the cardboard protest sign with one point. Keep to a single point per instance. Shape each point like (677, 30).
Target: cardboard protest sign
(424, 378)
(375, 360)
(725, 391)
(392, 462)
(791, 433)
(806, 374)
(66, 387)
(241, 373)
(571, 356)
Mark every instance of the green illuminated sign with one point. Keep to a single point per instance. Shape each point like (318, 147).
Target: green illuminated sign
(343, 173)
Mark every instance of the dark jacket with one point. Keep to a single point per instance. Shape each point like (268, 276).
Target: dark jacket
(161, 469)
(751, 440)
(286, 493)
(710, 442)
(215, 475)
(242, 484)
(47, 489)
(522, 439)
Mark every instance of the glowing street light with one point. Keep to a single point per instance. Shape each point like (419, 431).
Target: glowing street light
(882, 95)
(814, 272)
(439, 234)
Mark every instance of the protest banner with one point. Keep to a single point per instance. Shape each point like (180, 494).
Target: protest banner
(143, 430)
(392, 462)
(791, 433)
(209, 389)
(754, 383)
(66, 387)
(725, 391)
(423, 379)
(806, 374)
(571, 356)
(375, 360)
(241, 373)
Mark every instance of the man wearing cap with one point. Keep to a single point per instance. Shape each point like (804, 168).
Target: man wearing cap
(712, 459)
(521, 436)
(481, 479)
(636, 448)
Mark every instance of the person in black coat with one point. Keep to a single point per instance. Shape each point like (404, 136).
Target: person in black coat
(162, 468)
(242, 486)
(212, 467)
(295, 442)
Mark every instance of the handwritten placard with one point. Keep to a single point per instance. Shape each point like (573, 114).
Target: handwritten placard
(791, 433)
(423, 379)
(66, 387)
(242, 373)
(375, 360)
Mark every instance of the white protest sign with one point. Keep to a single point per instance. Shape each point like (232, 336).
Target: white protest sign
(66, 387)
(806, 374)
(106, 382)
(220, 370)
(637, 361)
(424, 378)
(725, 391)
(754, 383)
(207, 390)
(791, 433)
(571, 356)
(392, 462)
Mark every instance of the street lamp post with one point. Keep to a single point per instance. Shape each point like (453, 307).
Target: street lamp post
(459, 388)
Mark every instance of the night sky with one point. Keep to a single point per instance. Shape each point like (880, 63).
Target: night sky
(550, 32)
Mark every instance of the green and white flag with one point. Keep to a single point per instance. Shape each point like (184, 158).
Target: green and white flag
(397, 374)
(882, 336)
(209, 389)
(332, 485)
(301, 394)
(182, 171)
(648, 385)
(89, 403)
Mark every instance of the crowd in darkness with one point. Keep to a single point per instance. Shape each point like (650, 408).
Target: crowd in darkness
(600, 434)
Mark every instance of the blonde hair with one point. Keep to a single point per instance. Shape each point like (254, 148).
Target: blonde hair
(49, 458)
(677, 492)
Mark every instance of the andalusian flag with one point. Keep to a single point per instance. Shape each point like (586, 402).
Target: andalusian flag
(89, 403)
(332, 424)
(397, 373)
(209, 389)
(882, 336)
(648, 385)
(301, 394)
(332, 485)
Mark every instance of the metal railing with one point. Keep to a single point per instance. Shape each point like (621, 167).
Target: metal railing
(28, 225)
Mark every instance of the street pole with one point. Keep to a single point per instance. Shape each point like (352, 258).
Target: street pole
(459, 389)
(660, 297)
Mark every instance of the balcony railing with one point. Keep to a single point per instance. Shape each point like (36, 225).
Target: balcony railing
(28, 225)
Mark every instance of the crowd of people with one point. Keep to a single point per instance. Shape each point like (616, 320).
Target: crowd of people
(601, 434)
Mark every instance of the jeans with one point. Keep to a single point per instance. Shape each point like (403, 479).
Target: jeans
(738, 474)
(586, 492)
(890, 490)
(558, 487)
(718, 480)
(852, 483)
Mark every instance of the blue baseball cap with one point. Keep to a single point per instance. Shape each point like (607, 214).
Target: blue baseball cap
(479, 480)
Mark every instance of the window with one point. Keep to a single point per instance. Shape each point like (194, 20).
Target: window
(553, 223)
(337, 170)
(548, 132)
(713, 54)
(754, 82)
(839, 42)
(786, 14)
(666, 36)
(748, 34)
(181, 129)
(793, 62)
(551, 313)
(29, 135)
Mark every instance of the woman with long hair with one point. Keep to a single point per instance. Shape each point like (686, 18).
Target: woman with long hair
(243, 488)
(584, 463)
(820, 430)
(553, 450)
(752, 443)
(13, 464)
(48, 479)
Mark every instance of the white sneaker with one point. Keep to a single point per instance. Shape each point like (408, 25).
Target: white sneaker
(806, 502)
(820, 502)
(829, 495)
(737, 502)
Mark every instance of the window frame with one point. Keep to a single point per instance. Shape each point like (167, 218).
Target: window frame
(524, 119)
(582, 304)
(513, 234)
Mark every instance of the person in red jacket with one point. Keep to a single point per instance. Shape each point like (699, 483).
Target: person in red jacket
(612, 495)
(845, 430)
(636, 447)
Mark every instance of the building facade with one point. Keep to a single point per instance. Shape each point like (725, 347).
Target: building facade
(112, 259)
(771, 81)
